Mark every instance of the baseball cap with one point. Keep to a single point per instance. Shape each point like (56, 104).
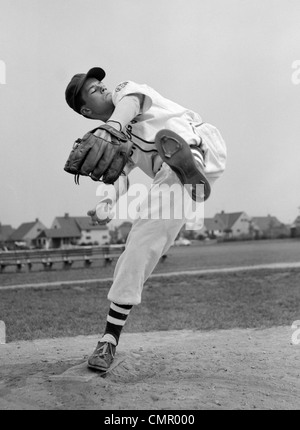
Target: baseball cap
(76, 84)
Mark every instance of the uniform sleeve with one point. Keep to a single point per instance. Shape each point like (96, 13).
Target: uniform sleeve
(127, 88)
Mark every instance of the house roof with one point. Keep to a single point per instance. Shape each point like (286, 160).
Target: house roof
(266, 222)
(211, 224)
(68, 224)
(23, 229)
(228, 219)
(78, 223)
(85, 223)
(59, 233)
(5, 232)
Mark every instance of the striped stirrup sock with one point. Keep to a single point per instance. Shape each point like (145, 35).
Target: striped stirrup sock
(115, 321)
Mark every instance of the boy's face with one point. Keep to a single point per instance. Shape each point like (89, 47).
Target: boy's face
(98, 100)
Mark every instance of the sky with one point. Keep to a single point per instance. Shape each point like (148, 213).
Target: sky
(235, 62)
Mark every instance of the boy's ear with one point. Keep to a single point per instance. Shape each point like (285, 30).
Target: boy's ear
(85, 111)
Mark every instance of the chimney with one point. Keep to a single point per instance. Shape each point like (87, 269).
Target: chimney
(66, 215)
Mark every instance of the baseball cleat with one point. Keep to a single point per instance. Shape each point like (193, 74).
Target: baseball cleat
(102, 357)
(175, 152)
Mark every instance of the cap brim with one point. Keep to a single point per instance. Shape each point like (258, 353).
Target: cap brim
(95, 72)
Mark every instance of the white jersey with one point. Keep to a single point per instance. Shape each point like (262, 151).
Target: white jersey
(157, 113)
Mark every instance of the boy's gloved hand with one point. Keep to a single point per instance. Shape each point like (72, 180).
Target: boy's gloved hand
(102, 154)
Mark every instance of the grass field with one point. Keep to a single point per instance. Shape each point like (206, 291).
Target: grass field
(199, 256)
(208, 302)
(247, 299)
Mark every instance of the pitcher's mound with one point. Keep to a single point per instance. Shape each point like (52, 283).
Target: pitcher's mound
(180, 370)
(131, 367)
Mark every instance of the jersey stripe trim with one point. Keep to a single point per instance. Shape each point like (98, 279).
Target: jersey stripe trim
(144, 150)
(145, 141)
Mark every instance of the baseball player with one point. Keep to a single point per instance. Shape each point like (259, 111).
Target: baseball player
(168, 142)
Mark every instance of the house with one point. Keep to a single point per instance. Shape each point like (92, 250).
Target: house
(5, 232)
(26, 234)
(68, 231)
(234, 224)
(92, 234)
(295, 227)
(228, 225)
(269, 227)
(58, 238)
(211, 228)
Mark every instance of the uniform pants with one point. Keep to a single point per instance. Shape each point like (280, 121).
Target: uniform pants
(151, 236)
(153, 232)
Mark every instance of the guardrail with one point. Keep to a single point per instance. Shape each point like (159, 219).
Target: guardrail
(42, 259)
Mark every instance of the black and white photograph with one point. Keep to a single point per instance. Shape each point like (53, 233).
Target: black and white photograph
(150, 215)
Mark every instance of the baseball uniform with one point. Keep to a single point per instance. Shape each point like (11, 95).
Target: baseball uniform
(152, 234)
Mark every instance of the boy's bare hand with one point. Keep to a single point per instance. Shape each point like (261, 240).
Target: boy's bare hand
(102, 214)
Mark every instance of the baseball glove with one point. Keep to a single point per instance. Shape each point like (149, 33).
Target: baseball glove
(102, 157)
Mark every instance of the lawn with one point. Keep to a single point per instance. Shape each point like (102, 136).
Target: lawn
(256, 299)
(199, 256)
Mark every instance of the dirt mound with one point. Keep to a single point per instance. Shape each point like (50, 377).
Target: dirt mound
(191, 370)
